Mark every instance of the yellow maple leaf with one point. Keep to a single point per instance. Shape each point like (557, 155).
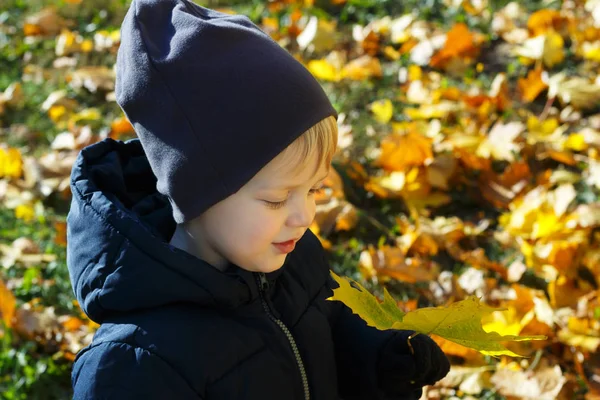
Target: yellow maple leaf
(383, 110)
(547, 48)
(591, 51)
(504, 322)
(379, 315)
(576, 142)
(459, 322)
(25, 212)
(323, 70)
(11, 164)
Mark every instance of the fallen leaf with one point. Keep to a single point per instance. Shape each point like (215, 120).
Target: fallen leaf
(318, 35)
(531, 86)
(7, 305)
(499, 143)
(399, 152)
(581, 93)
(460, 44)
(391, 262)
(93, 78)
(469, 380)
(46, 22)
(362, 68)
(543, 384)
(547, 48)
(383, 110)
(11, 163)
(544, 20)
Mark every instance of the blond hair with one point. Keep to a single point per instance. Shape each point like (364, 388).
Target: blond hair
(321, 137)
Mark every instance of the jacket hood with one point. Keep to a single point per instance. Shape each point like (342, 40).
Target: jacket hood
(118, 232)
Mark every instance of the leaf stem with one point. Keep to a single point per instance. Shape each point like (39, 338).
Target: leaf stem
(546, 109)
(410, 346)
(536, 360)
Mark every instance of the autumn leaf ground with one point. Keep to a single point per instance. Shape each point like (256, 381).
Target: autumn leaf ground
(469, 164)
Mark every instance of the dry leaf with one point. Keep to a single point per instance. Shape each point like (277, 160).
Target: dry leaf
(460, 44)
(47, 22)
(543, 384)
(362, 68)
(7, 304)
(318, 35)
(500, 141)
(533, 85)
(400, 152)
(543, 21)
(391, 262)
(93, 78)
(579, 92)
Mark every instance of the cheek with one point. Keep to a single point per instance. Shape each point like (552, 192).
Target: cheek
(254, 228)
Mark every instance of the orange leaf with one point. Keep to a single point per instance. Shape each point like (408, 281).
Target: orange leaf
(564, 292)
(565, 157)
(61, 233)
(500, 190)
(399, 152)
(472, 161)
(7, 304)
(460, 43)
(532, 86)
(544, 20)
(72, 324)
(390, 262)
(31, 30)
(120, 127)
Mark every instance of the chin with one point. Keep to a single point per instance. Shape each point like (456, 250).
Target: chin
(271, 269)
(274, 266)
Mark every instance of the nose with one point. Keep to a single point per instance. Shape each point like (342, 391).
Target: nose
(303, 213)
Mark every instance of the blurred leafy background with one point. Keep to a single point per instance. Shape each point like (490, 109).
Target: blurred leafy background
(468, 163)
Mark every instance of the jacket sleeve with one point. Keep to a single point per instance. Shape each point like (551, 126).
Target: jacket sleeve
(117, 370)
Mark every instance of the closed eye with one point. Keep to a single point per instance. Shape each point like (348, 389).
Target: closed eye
(279, 204)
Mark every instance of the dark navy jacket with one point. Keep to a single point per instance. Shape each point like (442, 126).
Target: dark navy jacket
(174, 327)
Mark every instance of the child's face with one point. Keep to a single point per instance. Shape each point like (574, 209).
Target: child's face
(274, 207)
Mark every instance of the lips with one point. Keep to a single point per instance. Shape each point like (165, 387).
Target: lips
(286, 247)
(287, 241)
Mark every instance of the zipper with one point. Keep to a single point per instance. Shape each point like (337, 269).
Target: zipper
(263, 285)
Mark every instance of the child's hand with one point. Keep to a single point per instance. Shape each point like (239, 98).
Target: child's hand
(404, 368)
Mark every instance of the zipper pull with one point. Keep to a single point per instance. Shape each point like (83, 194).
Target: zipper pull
(264, 283)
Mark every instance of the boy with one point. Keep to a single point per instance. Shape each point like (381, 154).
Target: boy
(190, 244)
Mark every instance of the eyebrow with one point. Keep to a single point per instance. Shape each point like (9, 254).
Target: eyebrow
(295, 186)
